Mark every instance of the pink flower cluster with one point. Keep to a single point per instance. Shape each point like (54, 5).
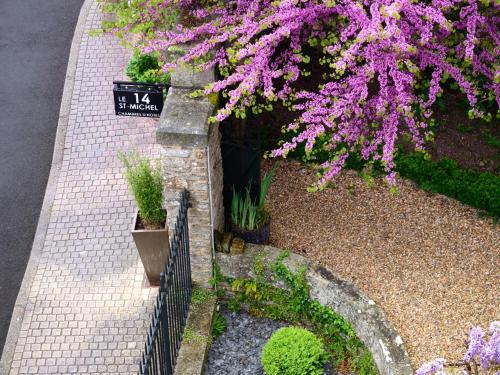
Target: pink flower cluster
(377, 51)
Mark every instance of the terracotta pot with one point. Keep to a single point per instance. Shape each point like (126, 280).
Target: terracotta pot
(257, 236)
(154, 249)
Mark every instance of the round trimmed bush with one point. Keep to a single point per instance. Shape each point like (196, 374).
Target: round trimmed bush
(293, 351)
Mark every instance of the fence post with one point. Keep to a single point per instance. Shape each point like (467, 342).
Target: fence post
(165, 347)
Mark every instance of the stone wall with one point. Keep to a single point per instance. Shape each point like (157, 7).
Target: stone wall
(366, 318)
(191, 159)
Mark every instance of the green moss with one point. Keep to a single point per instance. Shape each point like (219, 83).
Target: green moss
(214, 99)
(200, 295)
(190, 335)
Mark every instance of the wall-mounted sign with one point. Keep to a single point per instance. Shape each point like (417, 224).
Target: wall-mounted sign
(138, 99)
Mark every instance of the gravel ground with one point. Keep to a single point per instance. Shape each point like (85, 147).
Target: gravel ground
(427, 260)
(237, 351)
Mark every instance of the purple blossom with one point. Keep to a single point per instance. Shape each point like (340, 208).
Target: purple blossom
(377, 51)
(432, 367)
(476, 343)
(491, 352)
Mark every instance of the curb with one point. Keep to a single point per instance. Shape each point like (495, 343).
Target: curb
(44, 218)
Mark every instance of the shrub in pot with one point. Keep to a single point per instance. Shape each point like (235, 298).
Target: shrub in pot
(249, 219)
(149, 229)
(293, 351)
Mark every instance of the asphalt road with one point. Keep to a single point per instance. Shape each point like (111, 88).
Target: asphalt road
(35, 39)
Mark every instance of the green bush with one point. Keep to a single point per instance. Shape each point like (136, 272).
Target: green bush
(146, 68)
(293, 351)
(477, 189)
(146, 184)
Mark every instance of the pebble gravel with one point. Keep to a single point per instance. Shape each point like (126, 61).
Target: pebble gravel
(427, 260)
(237, 351)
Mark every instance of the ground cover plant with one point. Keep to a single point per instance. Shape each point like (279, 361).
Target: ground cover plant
(387, 64)
(477, 189)
(292, 304)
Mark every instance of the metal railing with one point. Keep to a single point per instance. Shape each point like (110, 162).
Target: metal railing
(172, 303)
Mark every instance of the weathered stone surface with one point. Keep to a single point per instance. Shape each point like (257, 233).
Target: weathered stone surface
(226, 242)
(366, 318)
(192, 354)
(188, 76)
(184, 120)
(191, 159)
(218, 238)
(237, 246)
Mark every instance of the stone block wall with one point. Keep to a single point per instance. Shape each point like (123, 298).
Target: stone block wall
(191, 159)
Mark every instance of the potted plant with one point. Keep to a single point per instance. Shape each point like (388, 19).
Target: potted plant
(249, 219)
(149, 228)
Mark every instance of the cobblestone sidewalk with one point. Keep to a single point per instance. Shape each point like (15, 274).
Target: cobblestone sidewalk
(88, 308)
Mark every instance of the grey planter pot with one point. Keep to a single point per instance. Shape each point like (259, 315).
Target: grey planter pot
(154, 250)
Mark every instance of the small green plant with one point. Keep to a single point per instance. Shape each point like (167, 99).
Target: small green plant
(146, 184)
(491, 139)
(293, 351)
(146, 68)
(462, 128)
(219, 325)
(248, 214)
(200, 295)
(190, 335)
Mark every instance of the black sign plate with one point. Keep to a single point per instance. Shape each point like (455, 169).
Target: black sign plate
(138, 99)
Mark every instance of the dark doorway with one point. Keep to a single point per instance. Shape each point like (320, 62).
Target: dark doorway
(241, 154)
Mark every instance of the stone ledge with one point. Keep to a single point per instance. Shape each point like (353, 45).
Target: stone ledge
(193, 351)
(188, 76)
(367, 319)
(184, 120)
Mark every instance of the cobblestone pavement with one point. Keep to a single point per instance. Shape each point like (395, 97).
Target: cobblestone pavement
(88, 307)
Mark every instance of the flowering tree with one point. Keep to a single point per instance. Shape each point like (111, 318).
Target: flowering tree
(488, 353)
(386, 62)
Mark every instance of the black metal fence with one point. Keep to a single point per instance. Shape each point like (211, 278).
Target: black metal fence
(172, 303)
